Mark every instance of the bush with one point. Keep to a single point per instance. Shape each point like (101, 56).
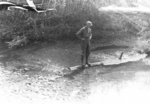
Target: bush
(143, 42)
(71, 15)
(142, 45)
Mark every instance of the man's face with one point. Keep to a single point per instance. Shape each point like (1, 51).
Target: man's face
(89, 25)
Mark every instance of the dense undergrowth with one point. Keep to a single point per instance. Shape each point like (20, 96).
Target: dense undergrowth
(70, 16)
(63, 24)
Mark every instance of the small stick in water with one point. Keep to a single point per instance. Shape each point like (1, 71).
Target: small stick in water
(121, 55)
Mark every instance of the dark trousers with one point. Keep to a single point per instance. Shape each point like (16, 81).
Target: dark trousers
(85, 51)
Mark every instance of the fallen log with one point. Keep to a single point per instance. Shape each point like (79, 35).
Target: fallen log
(125, 59)
(80, 67)
(18, 41)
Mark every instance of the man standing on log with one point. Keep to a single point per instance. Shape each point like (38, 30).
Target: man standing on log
(85, 35)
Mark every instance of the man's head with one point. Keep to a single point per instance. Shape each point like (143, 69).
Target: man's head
(89, 24)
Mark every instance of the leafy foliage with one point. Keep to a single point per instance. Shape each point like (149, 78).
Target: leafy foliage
(71, 15)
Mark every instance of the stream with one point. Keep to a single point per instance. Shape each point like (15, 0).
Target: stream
(31, 74)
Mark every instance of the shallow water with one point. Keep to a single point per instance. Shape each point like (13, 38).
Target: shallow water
(32, 74)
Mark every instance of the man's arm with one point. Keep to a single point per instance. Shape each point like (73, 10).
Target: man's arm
(78, 34)
(90, 37)
(90, 32)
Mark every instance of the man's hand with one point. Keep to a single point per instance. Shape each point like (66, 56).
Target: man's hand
(90, 37)
(82, 39)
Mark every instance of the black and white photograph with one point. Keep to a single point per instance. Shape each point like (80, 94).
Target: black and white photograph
(74, 51)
